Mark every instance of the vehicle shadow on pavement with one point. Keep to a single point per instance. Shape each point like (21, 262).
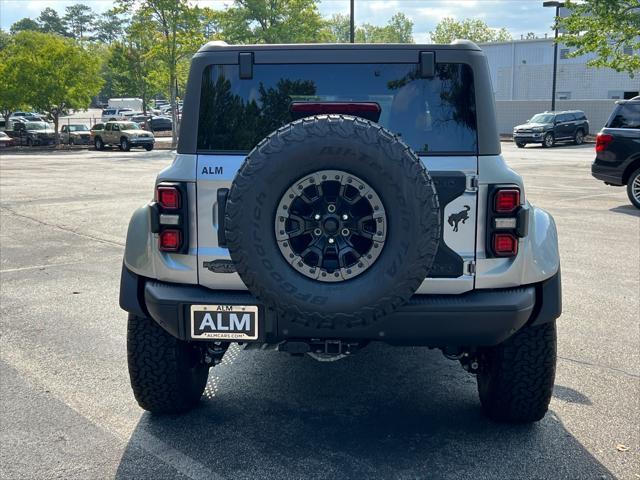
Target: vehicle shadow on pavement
(628, 209)
(384, 413)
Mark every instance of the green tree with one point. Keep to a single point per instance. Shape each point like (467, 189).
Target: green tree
(276, 21)
(24, 24)
(610, 29)
(50, 22)
(36, 58)
(530, 36)
(78, 19)
(110, 26)
(133, 66)
(12, 92)
(179, 36)
(449, 29)
(399, 29)
(339, 26)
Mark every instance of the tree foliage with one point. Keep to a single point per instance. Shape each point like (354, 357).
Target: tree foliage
(449, 29)
(24, 24)
(110, 26)
(53, 74)
(276, 21)
(50, 22)
(610, 29)
(399, 29)
(78, 19)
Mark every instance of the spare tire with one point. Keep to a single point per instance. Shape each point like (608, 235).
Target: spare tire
(332, 221)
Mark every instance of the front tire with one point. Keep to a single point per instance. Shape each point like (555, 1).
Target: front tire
(516, 378)
(520, 144)
(124, 144)
(633, 188)
(148, 148)
(167, 374)
(98, 143)
(548, 141)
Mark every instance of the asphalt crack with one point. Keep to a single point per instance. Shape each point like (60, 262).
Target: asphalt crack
(64, 229)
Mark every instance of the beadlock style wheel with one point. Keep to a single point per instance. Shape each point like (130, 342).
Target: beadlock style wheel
(330, 226)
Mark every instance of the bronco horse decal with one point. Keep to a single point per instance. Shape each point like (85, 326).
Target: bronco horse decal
(456, 218)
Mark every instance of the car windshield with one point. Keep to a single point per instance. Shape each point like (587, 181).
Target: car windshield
(35, 126)
(78, 128)
(541, 118)
(436, 114)
(129, 126)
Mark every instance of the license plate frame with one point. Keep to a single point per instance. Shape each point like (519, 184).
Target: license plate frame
(224, 323)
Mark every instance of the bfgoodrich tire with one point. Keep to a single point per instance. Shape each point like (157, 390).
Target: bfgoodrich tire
(167, 375)
(316, 146)
(516, 378)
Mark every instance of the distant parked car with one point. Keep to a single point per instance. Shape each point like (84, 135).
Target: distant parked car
(75, 134)
(111, 114)
(34, 133)
(123, 134)
(160, 124)
(6, 140)
(548, 128)
(618, 149)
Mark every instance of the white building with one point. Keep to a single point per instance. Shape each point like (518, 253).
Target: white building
(522, 75)
(523, 70)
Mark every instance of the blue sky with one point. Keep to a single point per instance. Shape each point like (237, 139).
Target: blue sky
(517, 16)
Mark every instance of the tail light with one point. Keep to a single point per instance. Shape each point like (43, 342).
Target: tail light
(168, 197)
(507, 220)
(602, 141)
(507, 200)
(170, 240)
(169, 217)
(505, 244)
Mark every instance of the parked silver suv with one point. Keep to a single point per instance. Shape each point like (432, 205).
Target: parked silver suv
(327, 196)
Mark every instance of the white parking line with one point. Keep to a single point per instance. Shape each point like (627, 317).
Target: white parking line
(37, 267)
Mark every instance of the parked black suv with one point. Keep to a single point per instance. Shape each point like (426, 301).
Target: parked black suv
(618, 149)
(550, 127)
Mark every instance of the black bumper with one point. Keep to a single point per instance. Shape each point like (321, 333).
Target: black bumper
(477, 318)
(608, 174)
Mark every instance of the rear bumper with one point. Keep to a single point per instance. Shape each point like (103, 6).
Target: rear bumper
(608, 174)
(476, 318)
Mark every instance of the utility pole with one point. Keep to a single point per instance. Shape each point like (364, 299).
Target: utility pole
(555, 50)
(352, 26)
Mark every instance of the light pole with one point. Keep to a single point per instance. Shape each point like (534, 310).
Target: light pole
(352, 27)
(555, 49)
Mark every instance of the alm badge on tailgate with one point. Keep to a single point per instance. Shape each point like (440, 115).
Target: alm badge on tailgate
(224, 322)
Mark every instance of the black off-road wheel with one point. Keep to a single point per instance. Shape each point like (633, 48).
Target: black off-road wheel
(515, 381)
(167, 375)
(333, 222)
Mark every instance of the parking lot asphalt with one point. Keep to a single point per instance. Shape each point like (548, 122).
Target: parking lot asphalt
(67, 410)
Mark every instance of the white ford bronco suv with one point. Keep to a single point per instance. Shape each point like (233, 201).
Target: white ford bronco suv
(327, 196)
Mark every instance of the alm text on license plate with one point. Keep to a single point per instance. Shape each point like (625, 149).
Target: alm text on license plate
(224, 322)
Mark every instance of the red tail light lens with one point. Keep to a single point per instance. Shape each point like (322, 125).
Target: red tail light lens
(168, 197)
(507, 200)
(602, 141)
(170, 240)
(505, 245)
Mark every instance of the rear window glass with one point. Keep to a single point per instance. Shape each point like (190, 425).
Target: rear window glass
(431, 115)
(626, 115)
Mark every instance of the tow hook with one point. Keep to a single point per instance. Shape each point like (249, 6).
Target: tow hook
(214, 352)
(322, 350)
(468, 360)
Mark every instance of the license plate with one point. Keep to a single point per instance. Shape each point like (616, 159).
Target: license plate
(224, 322)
